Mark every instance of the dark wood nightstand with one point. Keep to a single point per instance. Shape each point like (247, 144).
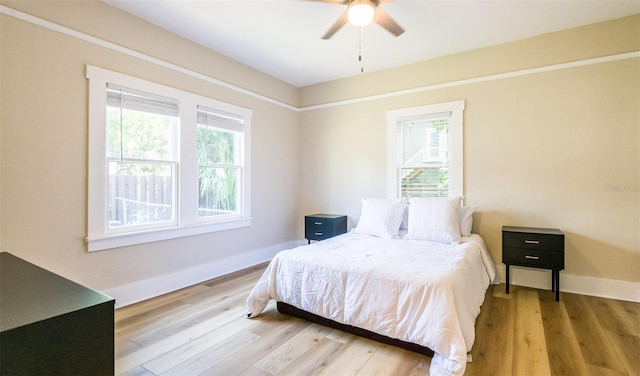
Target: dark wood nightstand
(324, 226)
(536, 248)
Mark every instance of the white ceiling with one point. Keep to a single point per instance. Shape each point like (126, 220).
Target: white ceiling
(283, 37)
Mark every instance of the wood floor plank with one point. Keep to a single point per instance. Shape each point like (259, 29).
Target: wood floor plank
(283, 356)
(627, 346)
(499, 291)
(413, 364)
(187, 320)
(124, 346)
(162, 312)
(563, 349)
(600, 371)
(344, 337)
(621, 325)
(492, 352)
(156, 349)
(614, 316)
(355, 354)
(213, 355)
(594, 343)
(271, 335)
(631, 314)
(384, 361)
(132, 324)
(252, 272)
(198, 345)
(529, 341)
(138, 371)
(218, 293)
(135, 312)
(315, 359)
(254, 371)
(148, 325)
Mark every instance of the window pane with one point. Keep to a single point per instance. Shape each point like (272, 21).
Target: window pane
(424, 181)
(139, 135)
(140, 193)
(425, 157)
(425, 141)
(218, 191)
(216, 146)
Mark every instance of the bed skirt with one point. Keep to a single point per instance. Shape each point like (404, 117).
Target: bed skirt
(293, 311)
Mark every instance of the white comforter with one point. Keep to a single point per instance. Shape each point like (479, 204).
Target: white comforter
(416, 291)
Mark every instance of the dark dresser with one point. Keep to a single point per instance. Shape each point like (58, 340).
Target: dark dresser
(50, 325)
(324, 226)
(536, 248)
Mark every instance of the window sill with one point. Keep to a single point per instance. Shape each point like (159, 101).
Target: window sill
(105, 242)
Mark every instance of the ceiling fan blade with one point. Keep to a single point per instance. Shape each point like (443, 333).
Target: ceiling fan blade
(342, 20)
(383, 19)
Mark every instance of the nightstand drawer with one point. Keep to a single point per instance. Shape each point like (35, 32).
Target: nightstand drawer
(324, 226)
(534, 258)
(317, 224)
(317, 229)
(531, 240)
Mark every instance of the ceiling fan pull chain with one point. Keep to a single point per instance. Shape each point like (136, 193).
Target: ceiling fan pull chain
(361, 49)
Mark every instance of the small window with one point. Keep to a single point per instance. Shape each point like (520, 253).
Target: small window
(425, 151)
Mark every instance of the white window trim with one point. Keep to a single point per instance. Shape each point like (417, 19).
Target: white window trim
(456, 109)
(188, 222)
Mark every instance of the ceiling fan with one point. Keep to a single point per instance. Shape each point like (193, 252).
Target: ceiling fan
(361, 13)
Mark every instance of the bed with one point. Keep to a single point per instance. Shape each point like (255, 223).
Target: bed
(420, 286)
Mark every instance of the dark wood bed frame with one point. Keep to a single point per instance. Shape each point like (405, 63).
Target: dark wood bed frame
(293, 311)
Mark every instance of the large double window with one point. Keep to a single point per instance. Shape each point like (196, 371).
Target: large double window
(163, 163)
(425, 151)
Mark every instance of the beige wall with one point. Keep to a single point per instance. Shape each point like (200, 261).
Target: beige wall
(551, 149)
(44, 143)
(554, 149)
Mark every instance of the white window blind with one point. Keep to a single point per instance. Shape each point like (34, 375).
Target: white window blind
(139, 101)
(220, 119)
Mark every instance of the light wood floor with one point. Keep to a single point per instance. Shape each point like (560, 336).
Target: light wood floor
(202, 330)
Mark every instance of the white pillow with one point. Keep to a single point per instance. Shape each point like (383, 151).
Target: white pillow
(381, 217)
(435, 219)
(466, 219)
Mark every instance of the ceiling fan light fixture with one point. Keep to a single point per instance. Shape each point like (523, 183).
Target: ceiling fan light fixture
(360, 12)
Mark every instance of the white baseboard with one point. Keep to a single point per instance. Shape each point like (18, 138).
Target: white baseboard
(601, 287)
(149, 288)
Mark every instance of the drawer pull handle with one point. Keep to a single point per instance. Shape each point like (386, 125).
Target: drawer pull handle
(532, 241)
(317, 223)
(319, 233)
(532, 257)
